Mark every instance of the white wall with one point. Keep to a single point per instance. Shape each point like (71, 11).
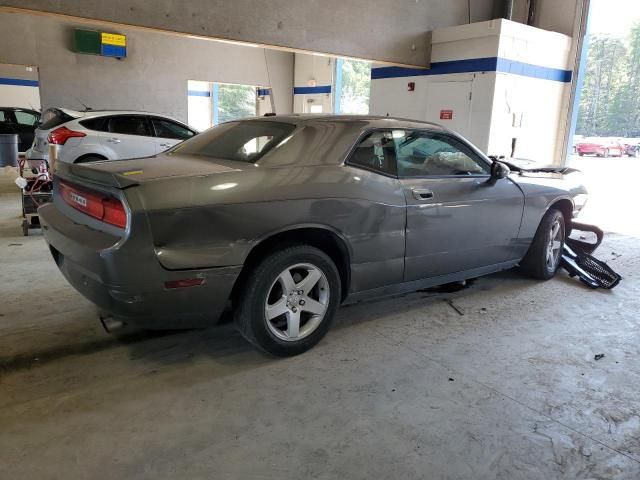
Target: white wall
(200, 108)
(314, 71)
(24, 96)
(502, 106)
(154, 75)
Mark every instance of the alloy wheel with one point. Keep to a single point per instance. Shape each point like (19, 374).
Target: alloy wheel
(297, 302)
(554, 245)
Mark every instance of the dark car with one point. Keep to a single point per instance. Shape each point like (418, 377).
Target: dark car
(287, 217)
(632, 149)
(21, 121)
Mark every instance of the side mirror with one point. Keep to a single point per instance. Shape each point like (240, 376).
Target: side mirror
(498, 171)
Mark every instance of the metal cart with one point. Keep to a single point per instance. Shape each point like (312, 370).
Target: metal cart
(36, 192)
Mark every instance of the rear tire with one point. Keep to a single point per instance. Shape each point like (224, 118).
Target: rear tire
(543, 258)
(288, 301)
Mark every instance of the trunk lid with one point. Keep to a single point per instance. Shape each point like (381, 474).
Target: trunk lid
(127, 173)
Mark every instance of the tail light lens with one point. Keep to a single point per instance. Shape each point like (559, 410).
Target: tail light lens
(105, 209)
(59, 136)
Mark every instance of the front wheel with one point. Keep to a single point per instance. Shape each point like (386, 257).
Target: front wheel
(288, 301)
(543, 258)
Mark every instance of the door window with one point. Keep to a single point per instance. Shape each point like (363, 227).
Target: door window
(168, 129)
(3, 117)
(376, 152)
(98, 124)
(26, 118)
(129, 125)
(423, 154)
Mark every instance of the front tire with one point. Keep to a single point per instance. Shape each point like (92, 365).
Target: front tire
(543, 258)
(288, 301)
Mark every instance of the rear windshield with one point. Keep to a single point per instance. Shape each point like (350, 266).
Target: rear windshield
(53, 118)
(239, 141)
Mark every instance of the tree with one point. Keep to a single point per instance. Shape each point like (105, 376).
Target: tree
(604, 77)
(236, 101)
(610, 102)
(356, 86)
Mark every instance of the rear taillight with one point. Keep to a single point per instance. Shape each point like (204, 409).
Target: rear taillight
(60, 135)
(106, 209)
(114, 213)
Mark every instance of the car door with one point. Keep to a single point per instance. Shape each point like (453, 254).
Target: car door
(129, 136)
(169, 133)
(457, 218)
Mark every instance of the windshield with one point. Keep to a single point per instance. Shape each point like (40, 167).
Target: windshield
(239, 141)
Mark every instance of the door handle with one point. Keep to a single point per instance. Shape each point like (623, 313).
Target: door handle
(422, 193)
(113, 140)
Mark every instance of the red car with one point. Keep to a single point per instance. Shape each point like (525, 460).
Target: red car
(600, 147)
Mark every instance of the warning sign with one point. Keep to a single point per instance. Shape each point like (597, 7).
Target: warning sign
(446, 114)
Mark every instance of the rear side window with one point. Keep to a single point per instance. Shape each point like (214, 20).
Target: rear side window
(3, 116)
(168, 129)
(240, 141)
(98, 124)
(129, 125)
(376, 152)
(54, 117)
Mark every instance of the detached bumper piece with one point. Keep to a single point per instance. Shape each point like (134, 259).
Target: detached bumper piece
(577, 260)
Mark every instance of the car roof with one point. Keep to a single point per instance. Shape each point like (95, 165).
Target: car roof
(373, 121)
(101, 113)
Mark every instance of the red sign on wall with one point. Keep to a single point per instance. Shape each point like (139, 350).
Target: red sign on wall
(446, 114)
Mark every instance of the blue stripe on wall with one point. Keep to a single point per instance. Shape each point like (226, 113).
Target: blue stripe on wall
(489, 64)
(19, 82)
(312, 90)
(198, 93)
(263, 92)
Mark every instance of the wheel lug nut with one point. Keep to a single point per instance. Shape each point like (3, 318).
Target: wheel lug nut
(294, 309)
(301, 302)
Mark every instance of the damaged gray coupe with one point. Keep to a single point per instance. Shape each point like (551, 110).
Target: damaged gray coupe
(285, 218)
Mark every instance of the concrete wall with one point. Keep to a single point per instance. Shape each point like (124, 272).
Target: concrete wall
(384, 30)
(25, 96)
(153, 76)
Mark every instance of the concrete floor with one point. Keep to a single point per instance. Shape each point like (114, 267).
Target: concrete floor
(400, 388)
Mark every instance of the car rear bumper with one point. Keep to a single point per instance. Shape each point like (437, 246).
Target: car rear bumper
(130, 286)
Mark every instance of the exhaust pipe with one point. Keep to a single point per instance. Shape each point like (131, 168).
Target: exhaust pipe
(111, 324)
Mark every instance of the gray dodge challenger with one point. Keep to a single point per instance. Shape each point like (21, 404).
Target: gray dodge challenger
(284, 218)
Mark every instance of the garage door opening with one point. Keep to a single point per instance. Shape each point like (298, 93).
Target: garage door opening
(606, 144)
(211, 103)
(353, 86)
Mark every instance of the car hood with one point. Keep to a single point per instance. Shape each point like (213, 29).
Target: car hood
(127, 173)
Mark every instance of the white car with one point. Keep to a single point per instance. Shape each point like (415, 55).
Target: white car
(92, 135)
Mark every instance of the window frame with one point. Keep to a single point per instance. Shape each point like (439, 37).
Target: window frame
(151, 119)
(144, 118)
(472, 154)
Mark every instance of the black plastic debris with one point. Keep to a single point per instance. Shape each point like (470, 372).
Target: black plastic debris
(599, 356)
(578, 261)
